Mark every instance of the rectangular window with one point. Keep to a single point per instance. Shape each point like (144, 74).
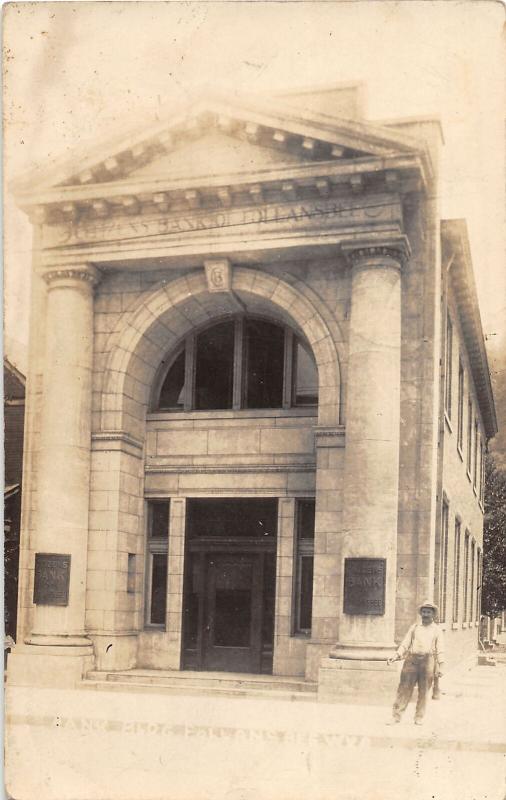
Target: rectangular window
(157, 562)
(466, 577)
(303, 594)
(265, 346)
(214, 367)
(443, 562)
(448, 366)
(456, 571)
(305, 376)
(475, 454)
(471, 582)
(460, 423)
(469, 433)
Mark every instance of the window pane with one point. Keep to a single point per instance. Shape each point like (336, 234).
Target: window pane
(158, 588)
(265, 348)
(215, 367)
(172, 393)
(232, 517)
(306, 592)
(305, 520)
(306, 377)
(159, 520)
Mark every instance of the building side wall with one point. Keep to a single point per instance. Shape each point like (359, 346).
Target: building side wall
(464, 503)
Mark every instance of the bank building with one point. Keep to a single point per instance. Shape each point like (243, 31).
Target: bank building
(258, 402)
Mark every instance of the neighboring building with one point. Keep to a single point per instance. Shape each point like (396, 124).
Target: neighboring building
(14, 416)
(254, 347)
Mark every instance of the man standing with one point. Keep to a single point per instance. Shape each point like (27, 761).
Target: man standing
(422, 648)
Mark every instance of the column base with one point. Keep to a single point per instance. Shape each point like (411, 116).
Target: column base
(48, 666)
(358, 680)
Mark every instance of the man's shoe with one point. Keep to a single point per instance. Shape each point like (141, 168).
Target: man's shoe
(436, 695)
(418, 721)
(394, 721)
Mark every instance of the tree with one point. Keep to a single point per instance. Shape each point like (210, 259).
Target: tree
(494, 539)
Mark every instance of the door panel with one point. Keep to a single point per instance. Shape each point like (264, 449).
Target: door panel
(232, 638)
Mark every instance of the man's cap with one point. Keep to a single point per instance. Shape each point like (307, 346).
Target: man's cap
(428, 604)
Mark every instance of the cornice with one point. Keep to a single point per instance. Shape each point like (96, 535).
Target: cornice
(394, 174)
(330, 437)
(117, 436)
(456, 251)
(254, 469)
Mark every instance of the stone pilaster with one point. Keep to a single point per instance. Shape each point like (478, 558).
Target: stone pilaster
(64, 473)
(371, 464)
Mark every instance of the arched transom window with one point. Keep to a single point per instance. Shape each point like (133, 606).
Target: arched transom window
(240, 362)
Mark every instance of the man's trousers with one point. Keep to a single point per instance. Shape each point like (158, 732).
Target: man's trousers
(416, 670)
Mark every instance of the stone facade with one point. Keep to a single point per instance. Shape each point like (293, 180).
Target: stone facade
(330, 229)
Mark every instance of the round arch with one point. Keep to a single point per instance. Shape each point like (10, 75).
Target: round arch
(162, 318)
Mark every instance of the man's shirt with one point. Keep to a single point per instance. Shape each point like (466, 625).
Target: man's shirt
(423, 640)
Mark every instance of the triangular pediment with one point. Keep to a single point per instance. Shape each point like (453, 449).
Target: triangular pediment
(215, 153)
(215, 138)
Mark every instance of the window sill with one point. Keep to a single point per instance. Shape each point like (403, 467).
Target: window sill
(448, 422)
(243, 413)
(301, 635)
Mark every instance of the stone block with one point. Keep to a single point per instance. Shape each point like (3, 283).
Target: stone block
(301, 482)
(286, 441)
(239, 440)
(325, 564)
(371, 682)
(325, 629)
(407, 565)
(94, 619)
(42, 666)
(325, 607)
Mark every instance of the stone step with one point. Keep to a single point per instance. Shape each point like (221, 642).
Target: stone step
(206, 680)
(198, 691)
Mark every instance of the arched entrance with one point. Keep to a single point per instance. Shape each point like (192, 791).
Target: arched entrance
(228, 475)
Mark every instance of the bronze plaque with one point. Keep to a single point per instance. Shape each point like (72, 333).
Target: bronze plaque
(52, 578)
(364, 585)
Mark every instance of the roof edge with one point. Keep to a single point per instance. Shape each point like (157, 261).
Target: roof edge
(455, 241)
(14, 370)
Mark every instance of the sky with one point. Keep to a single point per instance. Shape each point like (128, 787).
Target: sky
(76, 73)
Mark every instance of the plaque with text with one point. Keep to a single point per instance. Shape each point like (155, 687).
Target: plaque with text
(52, 579)
(364, 585)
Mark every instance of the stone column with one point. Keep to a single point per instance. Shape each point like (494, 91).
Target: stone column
(63, 471)
(371, 464)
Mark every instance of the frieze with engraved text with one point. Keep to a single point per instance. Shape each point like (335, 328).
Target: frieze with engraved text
(322, 214)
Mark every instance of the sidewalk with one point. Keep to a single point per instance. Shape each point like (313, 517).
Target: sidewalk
(88, 745)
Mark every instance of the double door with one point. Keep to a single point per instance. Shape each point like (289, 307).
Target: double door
(229, 608)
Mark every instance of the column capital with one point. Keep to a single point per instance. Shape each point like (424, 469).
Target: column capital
(392, 251)
(82, 273)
